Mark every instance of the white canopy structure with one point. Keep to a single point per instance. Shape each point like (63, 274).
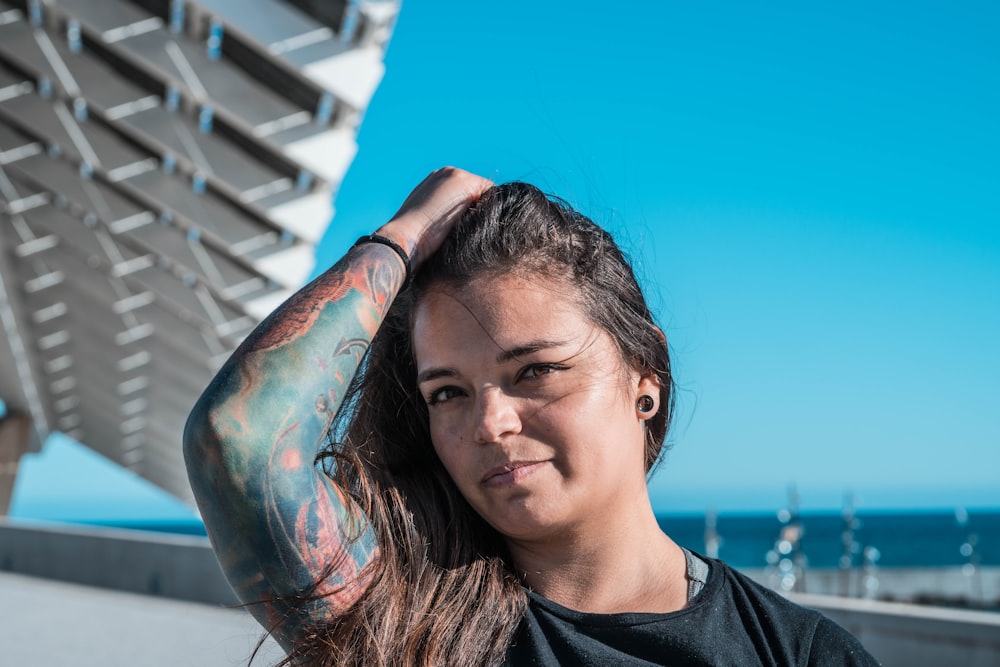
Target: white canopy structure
(166, 167)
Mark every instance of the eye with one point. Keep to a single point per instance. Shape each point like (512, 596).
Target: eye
(442, 395)
(538, 370)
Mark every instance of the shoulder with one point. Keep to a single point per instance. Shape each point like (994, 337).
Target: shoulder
(833, 645)
(749, 595)
(785, 628)
(761, 610)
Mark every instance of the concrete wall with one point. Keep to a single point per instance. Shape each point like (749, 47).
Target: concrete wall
(173, 566)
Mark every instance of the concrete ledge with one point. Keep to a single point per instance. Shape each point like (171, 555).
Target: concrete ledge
(980, 586)
(182, 567)
(906, 634)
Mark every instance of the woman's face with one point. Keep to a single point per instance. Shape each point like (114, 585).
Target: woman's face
(532, 411)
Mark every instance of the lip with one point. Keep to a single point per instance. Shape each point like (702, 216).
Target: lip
(511, 473)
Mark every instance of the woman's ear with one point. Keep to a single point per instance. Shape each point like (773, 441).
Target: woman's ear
(648, 395)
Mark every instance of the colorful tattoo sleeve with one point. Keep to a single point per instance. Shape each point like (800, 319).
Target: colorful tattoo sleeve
(276, 522)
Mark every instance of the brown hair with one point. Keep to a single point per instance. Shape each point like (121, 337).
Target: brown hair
(442, 587)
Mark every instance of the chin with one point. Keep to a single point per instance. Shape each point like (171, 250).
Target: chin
(529, 526)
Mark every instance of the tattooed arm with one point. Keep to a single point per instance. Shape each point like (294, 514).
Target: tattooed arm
(276, 522)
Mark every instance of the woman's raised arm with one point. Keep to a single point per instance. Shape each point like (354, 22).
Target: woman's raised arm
(276, 522)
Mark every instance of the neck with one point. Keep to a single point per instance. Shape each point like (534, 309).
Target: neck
(610, 566)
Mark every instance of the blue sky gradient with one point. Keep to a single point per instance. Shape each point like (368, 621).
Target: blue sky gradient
(809, 193)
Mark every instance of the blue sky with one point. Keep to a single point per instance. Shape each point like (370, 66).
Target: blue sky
(810, 195)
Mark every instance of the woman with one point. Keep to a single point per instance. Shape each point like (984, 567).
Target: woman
(483, 497)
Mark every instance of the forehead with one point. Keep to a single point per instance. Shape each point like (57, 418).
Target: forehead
(497, 313)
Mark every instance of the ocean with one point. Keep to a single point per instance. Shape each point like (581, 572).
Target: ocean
(902, 539)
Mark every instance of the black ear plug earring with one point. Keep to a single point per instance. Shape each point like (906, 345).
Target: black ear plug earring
(645, 403)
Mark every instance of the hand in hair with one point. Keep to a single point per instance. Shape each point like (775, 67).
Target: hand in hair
(432, 209)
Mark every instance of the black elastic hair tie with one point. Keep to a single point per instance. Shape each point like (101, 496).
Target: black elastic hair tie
(376, 238)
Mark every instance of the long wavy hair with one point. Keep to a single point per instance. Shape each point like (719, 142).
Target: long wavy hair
(442, 588)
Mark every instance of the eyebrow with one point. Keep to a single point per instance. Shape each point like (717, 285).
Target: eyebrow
(524, 350)
(503, 357)
(434, 374)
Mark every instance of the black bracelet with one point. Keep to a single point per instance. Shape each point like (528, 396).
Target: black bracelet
(375, 238)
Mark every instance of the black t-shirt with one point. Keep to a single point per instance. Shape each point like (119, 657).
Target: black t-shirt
(733, 621)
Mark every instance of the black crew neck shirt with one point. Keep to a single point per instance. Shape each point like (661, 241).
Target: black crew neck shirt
(732, 621)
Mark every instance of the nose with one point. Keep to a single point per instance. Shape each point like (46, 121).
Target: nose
(496, 416)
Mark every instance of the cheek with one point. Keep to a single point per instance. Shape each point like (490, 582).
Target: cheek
(582, 408)
(443, 428)
(447, 444)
